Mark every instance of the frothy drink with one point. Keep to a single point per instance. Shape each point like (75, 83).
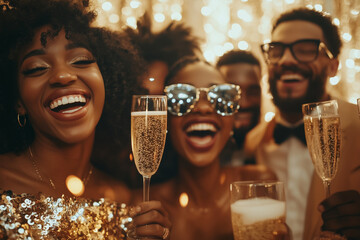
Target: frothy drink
(257, 218)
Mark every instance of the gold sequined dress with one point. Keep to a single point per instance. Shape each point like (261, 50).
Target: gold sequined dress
(29, 217)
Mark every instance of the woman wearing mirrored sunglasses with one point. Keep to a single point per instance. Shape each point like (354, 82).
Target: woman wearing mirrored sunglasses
(200, 120)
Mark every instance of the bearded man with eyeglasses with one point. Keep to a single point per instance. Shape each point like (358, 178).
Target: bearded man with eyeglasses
(301, 57)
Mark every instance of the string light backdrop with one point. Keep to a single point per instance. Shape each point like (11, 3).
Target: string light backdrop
(244, 24)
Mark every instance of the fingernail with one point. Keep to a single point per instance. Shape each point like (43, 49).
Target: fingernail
(321, 208)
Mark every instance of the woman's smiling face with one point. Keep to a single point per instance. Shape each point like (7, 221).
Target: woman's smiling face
(200, 135)
(61, 89)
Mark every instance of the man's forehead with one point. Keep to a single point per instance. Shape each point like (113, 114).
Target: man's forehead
(291, 31)
(242, 72)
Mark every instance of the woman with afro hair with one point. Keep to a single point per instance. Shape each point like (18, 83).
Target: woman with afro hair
(62, 81)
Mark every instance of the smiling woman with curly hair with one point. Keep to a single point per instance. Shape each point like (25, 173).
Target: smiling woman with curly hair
(62, 80)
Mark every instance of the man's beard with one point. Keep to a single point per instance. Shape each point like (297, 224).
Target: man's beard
(240, 133)
(315, 90)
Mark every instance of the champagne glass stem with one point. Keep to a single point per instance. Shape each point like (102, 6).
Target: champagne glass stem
(146, 188)
(327, 188)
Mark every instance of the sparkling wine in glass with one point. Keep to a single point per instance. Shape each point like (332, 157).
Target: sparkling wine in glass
(258, 210)
(322, 131)
(148, 134)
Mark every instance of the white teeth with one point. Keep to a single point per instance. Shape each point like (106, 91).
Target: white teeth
(67, 100)
(201, 127)
(71, 99)
(291, 77)
(71, 110)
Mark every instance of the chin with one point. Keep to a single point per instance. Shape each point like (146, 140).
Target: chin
(202, 161)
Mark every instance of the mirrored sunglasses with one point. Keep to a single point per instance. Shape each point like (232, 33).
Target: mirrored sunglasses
(182, 98)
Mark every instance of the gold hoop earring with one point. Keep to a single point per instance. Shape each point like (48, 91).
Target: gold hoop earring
(21, 124)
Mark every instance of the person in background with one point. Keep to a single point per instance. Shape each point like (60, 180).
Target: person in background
(301, 57)
(242, 68)
(197, 198)
(161, 49)
(63, 80)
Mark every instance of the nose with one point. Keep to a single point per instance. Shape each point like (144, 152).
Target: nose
(287, 57)
(63, 76)
(203, 105)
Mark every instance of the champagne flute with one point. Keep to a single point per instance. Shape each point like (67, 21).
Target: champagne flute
(322, 131)
(148, 134)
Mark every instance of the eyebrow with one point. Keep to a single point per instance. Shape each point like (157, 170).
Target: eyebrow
(74, 45)
(35, 52)
(41, 51)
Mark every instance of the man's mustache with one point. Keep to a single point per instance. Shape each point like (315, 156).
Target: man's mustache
(306, 73)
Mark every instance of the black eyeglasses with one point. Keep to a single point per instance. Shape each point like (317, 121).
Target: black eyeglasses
(304, 51)
(182, 98)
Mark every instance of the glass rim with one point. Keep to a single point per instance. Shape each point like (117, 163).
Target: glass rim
(148, 96)
(320, 102)
(257, 182)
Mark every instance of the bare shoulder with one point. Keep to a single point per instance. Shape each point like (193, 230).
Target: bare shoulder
(12, 164)
(252, 172)
(7, 160)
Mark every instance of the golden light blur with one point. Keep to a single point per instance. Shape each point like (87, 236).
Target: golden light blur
(131, 157)
(184, 200)
(75, 185)
(222, 178)
(109, 193)
(243, 24)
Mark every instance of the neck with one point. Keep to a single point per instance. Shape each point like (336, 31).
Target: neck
(297, 116)
(199, 182)
(57, 162)
(291, 117)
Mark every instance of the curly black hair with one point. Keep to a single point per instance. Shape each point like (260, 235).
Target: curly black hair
(117, 59)
(169, 45)
(237, 56)
(324, 21)
(180, 65)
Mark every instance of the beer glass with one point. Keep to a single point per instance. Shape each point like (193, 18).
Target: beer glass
(258, 210)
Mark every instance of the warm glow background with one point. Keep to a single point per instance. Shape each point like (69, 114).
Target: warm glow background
(245, 24)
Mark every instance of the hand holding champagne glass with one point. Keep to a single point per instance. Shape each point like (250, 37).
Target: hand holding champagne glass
(148, 134)
(322, 131)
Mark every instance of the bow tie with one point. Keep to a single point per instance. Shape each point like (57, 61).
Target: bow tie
(281, 133)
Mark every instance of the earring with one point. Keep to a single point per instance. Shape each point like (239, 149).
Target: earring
(23, 123)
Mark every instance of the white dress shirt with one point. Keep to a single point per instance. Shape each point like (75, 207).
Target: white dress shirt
(292, 164)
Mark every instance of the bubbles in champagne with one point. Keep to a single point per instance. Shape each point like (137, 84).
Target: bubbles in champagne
(258, 218)
(323, 140)
(148, 133)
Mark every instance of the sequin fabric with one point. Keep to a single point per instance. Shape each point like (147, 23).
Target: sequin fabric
(29, 217)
